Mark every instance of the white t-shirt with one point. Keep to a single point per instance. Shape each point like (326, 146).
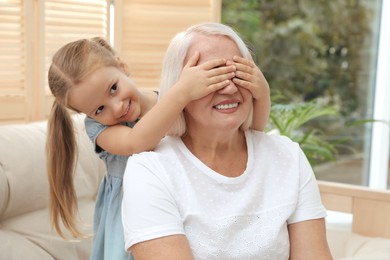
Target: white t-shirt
(170, 191)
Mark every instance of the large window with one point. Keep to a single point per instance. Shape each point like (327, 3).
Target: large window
(327, 52)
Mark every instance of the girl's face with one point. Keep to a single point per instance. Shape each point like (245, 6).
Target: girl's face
(107, 95)
(223, 110)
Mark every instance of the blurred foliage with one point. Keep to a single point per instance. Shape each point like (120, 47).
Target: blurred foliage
(309, 50)
(293, 120)
(290, 120)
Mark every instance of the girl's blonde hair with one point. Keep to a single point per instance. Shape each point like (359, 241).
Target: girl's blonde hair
(174, 62)
(71, 64)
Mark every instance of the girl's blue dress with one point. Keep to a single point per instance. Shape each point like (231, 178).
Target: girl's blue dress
(108, 242)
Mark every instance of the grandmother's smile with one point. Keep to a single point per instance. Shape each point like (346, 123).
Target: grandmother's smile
(226, 106)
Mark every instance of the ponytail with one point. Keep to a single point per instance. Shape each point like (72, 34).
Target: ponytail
(61, 160)
(70, 65)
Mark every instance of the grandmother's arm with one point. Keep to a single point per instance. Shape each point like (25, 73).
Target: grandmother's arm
(308, 240)
(174, 247)
(152, 224)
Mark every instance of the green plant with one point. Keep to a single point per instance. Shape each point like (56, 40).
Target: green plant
(291, 120)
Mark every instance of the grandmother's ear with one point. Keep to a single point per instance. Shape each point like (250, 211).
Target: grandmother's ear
(123, 65)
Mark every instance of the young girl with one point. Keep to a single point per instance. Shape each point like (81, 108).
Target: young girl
(87, 77)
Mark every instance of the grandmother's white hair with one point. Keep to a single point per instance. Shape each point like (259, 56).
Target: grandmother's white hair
(174, 62)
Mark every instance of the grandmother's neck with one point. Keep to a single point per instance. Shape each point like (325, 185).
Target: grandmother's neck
(227, 157)
(214, 142)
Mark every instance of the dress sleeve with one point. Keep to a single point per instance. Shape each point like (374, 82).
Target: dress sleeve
(149, 209)
(93, 129)
(309, 205)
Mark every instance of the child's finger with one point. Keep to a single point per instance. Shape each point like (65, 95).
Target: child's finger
(221, 77)
(247, 62)
(244, 68)
(242, 83)
(208, 65)
(243, 75)
(193, 60)
(217, 86)
(245, 65)
(222, 70)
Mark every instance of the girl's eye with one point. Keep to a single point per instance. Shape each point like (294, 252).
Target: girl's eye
(113, 89)
(99, 110)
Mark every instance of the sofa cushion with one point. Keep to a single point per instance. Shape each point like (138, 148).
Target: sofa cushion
(346, 245)
(29, 236)
(23, 175)
(337, 241)
(22, 169)
(25, 227)
(363, 246)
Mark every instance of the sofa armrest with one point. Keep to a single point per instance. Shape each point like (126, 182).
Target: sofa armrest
(370, 208)
(369, 234)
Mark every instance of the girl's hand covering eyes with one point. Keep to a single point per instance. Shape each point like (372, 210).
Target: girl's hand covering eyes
(250, 77)
(198, 81)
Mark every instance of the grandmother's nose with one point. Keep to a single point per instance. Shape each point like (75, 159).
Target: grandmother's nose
(229, 89)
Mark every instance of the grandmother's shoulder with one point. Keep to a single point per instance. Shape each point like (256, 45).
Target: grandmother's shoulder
(166, 144)
(165, 149)
(163, 152)
(272, 136)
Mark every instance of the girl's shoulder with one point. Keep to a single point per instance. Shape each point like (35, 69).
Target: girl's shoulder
(93, 127)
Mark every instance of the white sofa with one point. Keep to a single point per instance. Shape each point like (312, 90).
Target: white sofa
(26, 232)
(25, 227)
(362, 230)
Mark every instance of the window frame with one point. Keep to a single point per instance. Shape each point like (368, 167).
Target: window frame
(380, 140)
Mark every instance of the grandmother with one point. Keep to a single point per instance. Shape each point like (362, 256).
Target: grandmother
(214, 188)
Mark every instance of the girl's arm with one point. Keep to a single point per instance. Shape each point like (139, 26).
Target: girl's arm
(195, 82)
(249, 76)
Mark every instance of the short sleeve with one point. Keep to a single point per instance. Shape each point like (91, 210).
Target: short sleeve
(94, 129)
(149, 209)
(309, 205)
